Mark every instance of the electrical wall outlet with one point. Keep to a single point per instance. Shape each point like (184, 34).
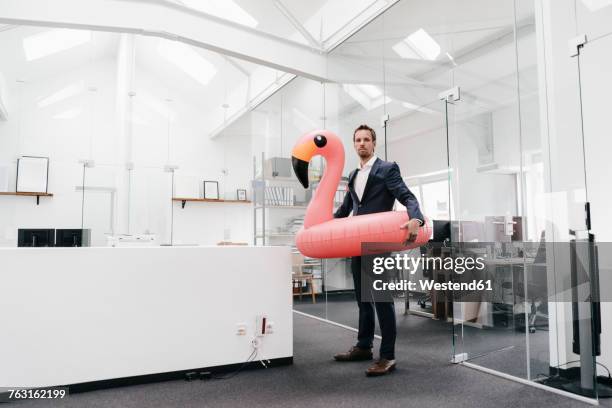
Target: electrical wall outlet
(269, 327)
(241, 329)
(260, 325)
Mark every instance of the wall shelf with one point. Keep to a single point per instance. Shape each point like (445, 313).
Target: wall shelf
(34, 194)
(184, 201)
(290, 207)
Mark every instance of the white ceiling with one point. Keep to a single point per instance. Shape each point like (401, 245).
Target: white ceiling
(478, 33)
(14, 66)
(183, 86)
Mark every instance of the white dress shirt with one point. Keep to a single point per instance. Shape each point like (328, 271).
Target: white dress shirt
(362, 176)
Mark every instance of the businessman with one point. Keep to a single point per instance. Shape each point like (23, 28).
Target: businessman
(373, 187)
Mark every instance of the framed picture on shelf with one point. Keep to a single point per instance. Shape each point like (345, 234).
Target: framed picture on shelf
(211, 190)
(241, 195)
(32, 174)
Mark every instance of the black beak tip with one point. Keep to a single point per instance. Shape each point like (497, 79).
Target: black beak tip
(300, 168)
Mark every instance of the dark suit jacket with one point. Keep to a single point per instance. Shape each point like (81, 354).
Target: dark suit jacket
(384, 185)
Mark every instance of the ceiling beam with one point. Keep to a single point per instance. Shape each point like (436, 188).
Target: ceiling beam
(296, 24)
(158, 18)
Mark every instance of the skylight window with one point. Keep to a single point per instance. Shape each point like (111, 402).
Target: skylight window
(594, 5)
(418, 45)
(187, 60)
(53, 41)
(368, 96)
(64, 93)
(225, 9)
(412, 106)
(370, 90)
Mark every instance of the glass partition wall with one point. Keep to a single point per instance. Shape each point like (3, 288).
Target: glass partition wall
(455, 98)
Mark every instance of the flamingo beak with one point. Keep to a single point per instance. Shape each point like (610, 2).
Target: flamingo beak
(300, 157)
(300, 167)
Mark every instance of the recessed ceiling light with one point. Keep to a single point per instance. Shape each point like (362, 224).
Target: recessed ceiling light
(64, 93)
(368, 96)
(188, 60)
(418, 45)
(225, 9)
(52, 41)
(69, 114)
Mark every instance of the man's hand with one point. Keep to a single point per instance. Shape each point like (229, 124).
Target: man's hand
(413, 229)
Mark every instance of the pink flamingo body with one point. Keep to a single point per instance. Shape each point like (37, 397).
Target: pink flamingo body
(326, 237)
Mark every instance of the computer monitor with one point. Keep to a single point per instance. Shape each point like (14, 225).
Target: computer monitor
(35, 237)
(72, 237)
(441, 231)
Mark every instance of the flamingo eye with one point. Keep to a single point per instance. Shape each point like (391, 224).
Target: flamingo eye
(320, 140)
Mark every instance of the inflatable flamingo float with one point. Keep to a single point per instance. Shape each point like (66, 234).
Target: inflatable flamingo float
(324, 236)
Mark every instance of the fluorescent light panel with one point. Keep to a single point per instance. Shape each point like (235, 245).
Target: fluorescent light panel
(418, 45)
(187, 60)
(53, 41)
(225, 9)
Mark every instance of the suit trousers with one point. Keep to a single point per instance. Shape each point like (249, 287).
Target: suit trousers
(385, 311)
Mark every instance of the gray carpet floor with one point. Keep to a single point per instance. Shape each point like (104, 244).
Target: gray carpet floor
(501, 349)
(424, 378)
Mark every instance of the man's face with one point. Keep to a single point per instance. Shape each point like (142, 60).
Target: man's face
(364, 145)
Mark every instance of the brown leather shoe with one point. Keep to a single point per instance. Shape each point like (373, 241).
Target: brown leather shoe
(354, 354)
(381, 367)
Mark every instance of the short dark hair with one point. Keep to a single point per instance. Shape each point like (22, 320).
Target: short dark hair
(365, 127)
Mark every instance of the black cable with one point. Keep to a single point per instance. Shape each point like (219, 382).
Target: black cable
(571, 362)
(250, 359)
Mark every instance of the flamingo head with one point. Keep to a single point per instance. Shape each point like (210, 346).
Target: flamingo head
(317, 142)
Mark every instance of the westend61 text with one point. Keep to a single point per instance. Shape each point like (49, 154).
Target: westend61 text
(428, 285)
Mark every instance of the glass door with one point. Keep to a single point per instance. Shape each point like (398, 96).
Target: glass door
(523, 190)
(485, 165)
(593, 63)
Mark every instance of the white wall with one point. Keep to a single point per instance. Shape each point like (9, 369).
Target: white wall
(96, 134)
(121, 312)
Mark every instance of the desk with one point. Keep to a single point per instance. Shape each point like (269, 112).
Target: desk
(519, 287)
